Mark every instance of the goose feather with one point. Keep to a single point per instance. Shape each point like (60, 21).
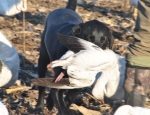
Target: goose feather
(85, 60)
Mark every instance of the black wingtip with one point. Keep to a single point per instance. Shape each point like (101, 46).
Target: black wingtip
(71, 42)
(63, 38)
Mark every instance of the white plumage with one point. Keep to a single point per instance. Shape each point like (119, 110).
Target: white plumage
(129, 110)
(84, 66)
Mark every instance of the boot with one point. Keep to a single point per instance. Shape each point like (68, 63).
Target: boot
(136, 85)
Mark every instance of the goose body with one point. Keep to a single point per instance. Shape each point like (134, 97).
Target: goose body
(85, 60)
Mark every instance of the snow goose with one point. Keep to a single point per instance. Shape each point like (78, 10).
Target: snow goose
(85, 62)
(129, 110)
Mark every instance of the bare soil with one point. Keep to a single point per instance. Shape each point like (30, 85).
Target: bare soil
(115, 14)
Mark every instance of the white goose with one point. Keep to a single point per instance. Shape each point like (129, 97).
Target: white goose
(85, 60)
(129, 110)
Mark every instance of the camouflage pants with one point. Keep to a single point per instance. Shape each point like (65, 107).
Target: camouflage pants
(136, 85)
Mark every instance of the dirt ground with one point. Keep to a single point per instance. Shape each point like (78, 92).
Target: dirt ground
(115, 14)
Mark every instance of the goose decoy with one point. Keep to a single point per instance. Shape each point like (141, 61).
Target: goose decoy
(9, 62)
(3, 109)
(88, 65)
(129, 110)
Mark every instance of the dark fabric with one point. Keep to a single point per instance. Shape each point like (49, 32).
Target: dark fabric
(59, 21)
(1, 65)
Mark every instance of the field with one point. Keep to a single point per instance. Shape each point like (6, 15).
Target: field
(22, 96)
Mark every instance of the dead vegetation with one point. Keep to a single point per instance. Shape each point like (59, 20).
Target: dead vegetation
(22, 97)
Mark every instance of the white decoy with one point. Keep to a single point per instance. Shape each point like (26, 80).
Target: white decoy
(12, 7)
(85, 60)
(129, 110)
(9, 62)
(3, 109)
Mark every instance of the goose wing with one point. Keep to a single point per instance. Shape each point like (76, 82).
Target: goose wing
(49, 82)
(76, 44)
